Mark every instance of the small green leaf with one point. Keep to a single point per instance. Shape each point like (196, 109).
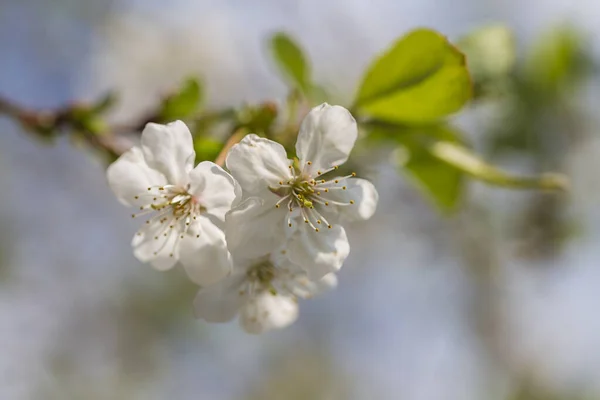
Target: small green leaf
(558, 59)
(290, 60)
(421, 78)
(463, 159)
(440, 182)
(490, 52)
(105, 103)
(184, 103)
(444, 93)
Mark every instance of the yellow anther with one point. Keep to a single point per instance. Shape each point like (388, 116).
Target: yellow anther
(148, 222)
(309, 162)
(171, 226)
(276, 205)
(354, 174)
(132, 215)
(164, 234)
(326, 190)
(290, 224)
(155, 237)
(329, 226)
(197, 236)
(161, 188)
(343, 187)
(283, 251)
(316, 229)
(318, 221)
(318, 172)
(154, 199)
(181, 237)
(187, 223)
(326, 203)
(335, 167)
(336, 181)
(318, 193)
(306, 221)
(351, 201)
(171, 255)
(136, 197)
(194, 217)
(149, 188)
(290, 167)
(142, 207)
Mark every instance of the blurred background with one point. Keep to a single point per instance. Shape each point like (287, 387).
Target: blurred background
(497, 301)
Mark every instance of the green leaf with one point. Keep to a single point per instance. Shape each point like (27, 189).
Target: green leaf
(557, 59)
(490, 52)
(463, 159)
(291, 61)
(420, 79)
(184, 103)
(440, 182)
(444, 93)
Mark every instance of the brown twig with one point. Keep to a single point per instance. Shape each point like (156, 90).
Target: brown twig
(47, 124)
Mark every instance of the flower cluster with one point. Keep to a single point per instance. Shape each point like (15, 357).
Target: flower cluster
(255, 239)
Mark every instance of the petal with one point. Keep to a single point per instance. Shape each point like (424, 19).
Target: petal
(326, 137)
(169, 149)
(318, 253)
(130, 177)
(326, 283)
(255, 228)
(257, 164)
(214, 188)
(220, 302)
(361, 192)
(151, 245)
(267, 311)
(203, 253)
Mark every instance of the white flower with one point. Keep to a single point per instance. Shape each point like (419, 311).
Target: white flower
(291, 201)
(185, 206)
(263, 291)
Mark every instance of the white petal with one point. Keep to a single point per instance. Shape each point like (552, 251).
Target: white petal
(169, 149)
(318, 253)
(203, 253)
(267, 311)
(365, 198)
(130, 176)
(255, 228)
(150, 245)
(257, 164)
(214, 188)
(326, 283)
(220, 302)
(326, 137)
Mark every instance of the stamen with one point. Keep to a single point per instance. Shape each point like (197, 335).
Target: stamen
(281, 201)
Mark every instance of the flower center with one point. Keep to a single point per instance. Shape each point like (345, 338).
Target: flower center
(259, 278)
(305, 191)
(170, 207)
